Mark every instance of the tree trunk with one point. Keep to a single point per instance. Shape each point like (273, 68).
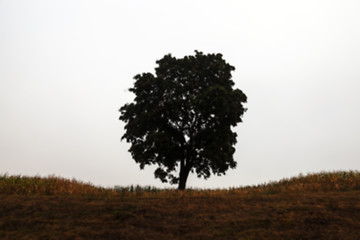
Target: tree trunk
(184, 173)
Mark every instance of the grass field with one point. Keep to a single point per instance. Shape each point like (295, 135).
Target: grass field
(316, 206)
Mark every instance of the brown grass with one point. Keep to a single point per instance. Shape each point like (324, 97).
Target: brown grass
(317, 206)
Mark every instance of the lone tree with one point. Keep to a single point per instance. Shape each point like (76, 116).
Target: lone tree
(182, 117)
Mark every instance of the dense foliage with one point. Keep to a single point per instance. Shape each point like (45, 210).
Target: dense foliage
(182, 117)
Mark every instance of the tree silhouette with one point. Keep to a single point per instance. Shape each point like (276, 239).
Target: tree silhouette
(182, 117)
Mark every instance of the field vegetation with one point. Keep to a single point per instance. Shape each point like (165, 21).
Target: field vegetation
(316, 206)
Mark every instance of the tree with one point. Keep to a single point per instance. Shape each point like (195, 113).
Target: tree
(182, 117)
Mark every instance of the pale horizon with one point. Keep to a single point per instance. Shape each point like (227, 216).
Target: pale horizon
(66, 67)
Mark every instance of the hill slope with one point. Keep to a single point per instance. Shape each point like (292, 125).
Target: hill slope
(317, 206)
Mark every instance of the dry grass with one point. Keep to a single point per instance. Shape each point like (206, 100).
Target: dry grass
(48, 186)
(316, 206)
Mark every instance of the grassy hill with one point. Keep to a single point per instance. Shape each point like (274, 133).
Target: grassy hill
(316, 206)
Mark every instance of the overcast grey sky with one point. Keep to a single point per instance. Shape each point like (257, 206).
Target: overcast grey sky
(65, 67)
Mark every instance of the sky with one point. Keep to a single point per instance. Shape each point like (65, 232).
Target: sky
(66, 67)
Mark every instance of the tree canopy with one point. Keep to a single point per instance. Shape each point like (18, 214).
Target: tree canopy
(182, 117)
